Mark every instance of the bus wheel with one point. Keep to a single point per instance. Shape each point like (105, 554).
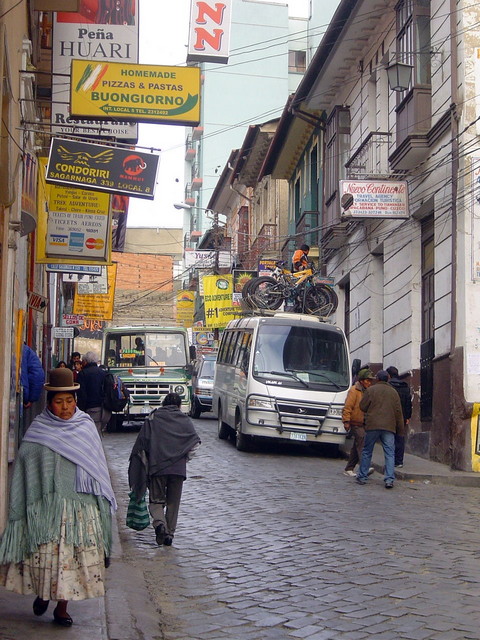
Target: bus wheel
(223, 428)
(242, 441)
(195, 411)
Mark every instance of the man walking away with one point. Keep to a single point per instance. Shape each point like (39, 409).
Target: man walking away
(90, 395)
(383, 418)
(353, 417)
(403, 390)
(159, 457)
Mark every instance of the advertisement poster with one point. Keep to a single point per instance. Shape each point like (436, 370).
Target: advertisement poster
(78, 224)
(101, 168)
(209, 33)
(145, 93)
(73, 224)
(97, 306)
(265, 267)
(185, 308)
(218, 292)
(374, 199)
(240, 279)
(102, 31)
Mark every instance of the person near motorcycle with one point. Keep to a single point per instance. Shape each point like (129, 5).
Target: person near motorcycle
(300, 258)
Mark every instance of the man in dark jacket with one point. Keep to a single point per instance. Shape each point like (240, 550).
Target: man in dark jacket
(90, 395)
(159, 461)
(403, 390)
(383, 418)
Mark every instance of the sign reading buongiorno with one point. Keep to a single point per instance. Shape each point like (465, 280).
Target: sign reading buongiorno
(144, 93)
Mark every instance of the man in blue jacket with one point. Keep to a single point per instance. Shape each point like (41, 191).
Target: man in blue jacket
(32, 376)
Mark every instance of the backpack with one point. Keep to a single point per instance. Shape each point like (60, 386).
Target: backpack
(116, 396)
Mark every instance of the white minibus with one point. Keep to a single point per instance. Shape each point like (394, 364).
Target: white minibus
(284, 376)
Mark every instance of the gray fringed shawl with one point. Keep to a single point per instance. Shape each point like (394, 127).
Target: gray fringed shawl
(77, 440)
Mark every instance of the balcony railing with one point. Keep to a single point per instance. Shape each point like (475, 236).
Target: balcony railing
(190, 150)
(267, 240)
(370, 160)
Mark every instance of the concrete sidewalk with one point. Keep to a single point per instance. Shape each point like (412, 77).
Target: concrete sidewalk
(417, 469)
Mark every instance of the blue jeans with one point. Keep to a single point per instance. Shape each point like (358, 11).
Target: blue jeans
(387, 438)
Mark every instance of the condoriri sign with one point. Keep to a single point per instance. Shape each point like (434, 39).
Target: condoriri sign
(143, 93)
(374, 199)
(102, 168)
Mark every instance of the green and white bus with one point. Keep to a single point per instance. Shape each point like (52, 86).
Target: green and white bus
(151, 361)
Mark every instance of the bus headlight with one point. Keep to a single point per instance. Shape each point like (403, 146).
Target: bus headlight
(335, 410)
(261, 402)
(179, 389)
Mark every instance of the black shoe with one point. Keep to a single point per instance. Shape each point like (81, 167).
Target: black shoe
(40, 606)
(168, 541)
(358, 481)
(62, 621)
(389, 485)
(160, 533)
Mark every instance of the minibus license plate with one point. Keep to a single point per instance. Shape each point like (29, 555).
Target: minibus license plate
(298, 436)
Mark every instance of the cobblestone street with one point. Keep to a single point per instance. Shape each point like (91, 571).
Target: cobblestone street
(279, 545)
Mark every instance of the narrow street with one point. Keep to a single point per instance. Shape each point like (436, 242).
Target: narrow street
(278, 544)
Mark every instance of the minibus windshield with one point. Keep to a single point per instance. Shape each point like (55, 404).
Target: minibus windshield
(301, 357)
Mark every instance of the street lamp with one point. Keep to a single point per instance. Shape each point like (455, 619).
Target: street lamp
(399, 75)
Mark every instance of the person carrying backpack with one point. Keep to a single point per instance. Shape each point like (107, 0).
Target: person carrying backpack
(91, 394)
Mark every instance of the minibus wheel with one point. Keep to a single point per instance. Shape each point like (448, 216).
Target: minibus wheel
(223, 428)
(242, 441)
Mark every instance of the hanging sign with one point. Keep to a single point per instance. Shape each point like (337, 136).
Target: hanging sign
(169, 95)
(101, 168)
(374, 199)
(37, 302)
(100, 31)
(209, 35)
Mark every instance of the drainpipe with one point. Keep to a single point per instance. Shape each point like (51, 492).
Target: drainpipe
(456, 389)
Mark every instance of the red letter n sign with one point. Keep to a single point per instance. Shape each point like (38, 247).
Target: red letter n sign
(209, 37)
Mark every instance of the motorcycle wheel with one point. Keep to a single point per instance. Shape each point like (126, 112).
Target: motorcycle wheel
(320, 300)
(265, 293)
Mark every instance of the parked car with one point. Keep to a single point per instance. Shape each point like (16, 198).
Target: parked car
(202, 384)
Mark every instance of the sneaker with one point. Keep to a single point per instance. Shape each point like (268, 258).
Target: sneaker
(160, 533)
(399, 466)
(370, 471)
(350, 473)
(361, 481)
(389, 484)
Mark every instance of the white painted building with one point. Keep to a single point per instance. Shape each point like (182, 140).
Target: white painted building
(408, 288)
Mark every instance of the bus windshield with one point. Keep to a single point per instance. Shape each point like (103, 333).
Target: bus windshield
(145, 349)
(301, 357)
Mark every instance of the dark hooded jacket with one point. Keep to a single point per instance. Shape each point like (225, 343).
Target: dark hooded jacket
(403, 390)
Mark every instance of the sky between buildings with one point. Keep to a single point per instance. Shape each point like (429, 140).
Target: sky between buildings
(163, 40)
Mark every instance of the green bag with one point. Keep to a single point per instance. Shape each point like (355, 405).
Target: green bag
(138, 517)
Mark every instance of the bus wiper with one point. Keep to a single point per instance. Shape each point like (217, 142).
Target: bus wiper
(324, 375)
(148, 356)
(289, 373)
